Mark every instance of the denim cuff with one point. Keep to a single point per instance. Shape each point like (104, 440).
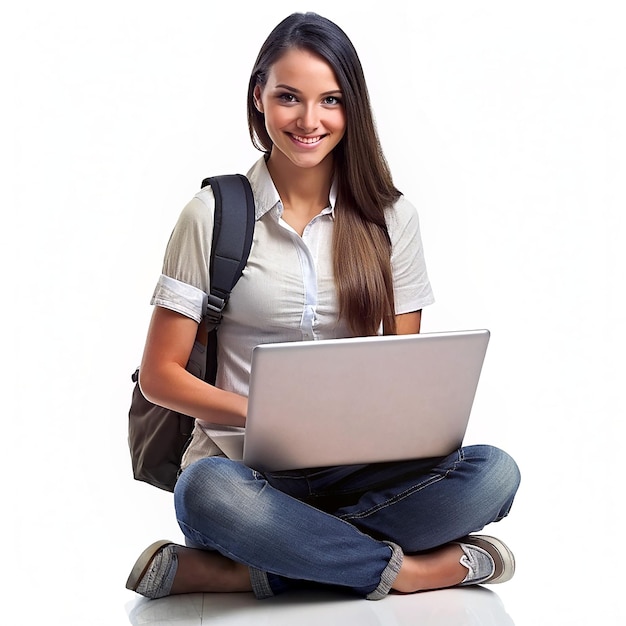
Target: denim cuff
(262, 588)
(260, 584)
(389, 573)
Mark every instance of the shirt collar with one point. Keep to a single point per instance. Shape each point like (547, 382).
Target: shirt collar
(332, 198)
(266, 196)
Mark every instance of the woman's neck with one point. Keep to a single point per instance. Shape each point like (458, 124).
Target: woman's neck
(303, 191)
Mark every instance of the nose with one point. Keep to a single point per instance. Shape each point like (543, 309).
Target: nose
(308, 120)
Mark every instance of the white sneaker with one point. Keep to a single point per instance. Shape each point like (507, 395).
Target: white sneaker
(488, 560)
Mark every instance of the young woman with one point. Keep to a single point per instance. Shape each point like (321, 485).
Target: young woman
(337, 252)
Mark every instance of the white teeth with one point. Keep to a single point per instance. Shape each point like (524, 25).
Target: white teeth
(307, 139)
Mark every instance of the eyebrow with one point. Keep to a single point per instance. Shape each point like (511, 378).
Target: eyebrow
(294, 90)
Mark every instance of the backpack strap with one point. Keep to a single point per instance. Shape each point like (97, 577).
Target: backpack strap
(233, 229)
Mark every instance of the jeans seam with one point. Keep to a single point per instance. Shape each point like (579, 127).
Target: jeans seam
(304, 478)
(405, 494)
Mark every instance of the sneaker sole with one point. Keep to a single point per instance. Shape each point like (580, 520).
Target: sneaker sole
(143, 562)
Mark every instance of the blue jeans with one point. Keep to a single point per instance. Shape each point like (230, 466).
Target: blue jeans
(345, 526)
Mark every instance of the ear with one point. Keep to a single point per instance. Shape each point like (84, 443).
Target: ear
(257, 99)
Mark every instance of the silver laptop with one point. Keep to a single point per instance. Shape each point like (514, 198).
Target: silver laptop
(361, 400)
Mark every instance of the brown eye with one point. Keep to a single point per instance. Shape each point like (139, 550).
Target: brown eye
(287, 97)
(331, 101)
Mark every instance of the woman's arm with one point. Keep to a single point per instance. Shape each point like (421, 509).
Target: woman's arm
(408, 323)
(165, 381)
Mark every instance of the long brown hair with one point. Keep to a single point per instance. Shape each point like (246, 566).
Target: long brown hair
(361, 244)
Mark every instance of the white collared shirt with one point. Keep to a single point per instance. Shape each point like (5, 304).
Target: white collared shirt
(286, 291)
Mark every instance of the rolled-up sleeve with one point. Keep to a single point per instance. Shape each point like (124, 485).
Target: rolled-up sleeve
(175, 295)
(184, 283)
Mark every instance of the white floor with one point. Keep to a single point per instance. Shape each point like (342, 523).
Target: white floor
(459, 607)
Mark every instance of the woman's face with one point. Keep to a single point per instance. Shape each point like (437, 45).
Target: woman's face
(303, 108)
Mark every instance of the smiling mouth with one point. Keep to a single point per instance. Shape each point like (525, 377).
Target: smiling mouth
(307, 140)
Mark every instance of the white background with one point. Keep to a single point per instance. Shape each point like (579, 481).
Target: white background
(502, 121)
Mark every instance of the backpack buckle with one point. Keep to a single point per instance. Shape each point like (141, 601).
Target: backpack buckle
(213, 313)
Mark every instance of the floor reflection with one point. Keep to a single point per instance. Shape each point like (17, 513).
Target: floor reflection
(469, 606)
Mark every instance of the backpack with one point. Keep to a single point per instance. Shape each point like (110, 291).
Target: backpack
(158, 437)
